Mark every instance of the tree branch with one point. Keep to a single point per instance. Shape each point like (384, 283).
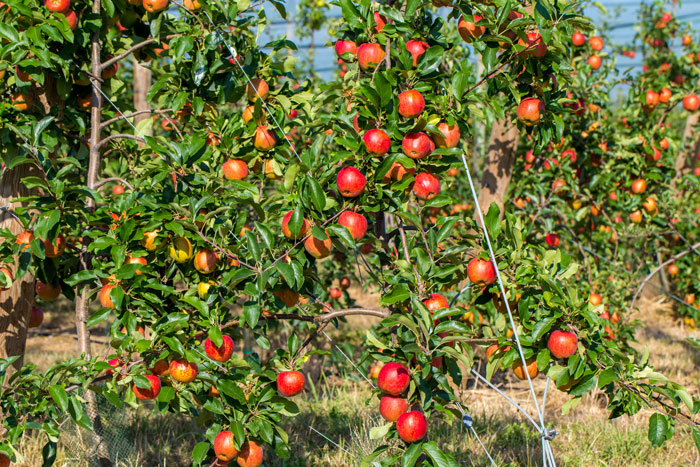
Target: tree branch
(118, 136)
(134, 114)
(114, 179)
(134, 48)
(660, 266)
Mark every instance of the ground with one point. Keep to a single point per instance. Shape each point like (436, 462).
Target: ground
(345, 410)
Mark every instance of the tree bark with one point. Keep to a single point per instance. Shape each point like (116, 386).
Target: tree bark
(691, 145)
(142, 83)
(17, 301)
(503, 144)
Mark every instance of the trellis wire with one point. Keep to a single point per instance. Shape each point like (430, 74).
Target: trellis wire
(468, 422)
(543, 431)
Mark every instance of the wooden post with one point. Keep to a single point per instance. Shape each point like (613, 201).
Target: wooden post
(16, 302)
(142, 83)
(498, 169)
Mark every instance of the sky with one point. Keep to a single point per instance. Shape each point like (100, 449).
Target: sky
(621, 32)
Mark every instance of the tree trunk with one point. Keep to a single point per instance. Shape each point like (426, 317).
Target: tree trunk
(503, 143)
(142, 83)
(17, 301)
(690, 147)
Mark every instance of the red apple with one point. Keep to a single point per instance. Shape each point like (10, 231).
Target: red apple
(687, 40)
(183, 371)
(665, 95)
(287, 232)
(595, 299)
(370, 55)
(596, 43)
(393, 379)
(146, 394)
(691, 103)
(412, 426)
(639, 186)
(25, 238)
(351, 183)
(417, 145)
(595, 61)
(651, 99)
(436, 302)
(335, 293)
(52, 250)
(391, 408)
(416, 49)
(58, 6)
(578, 39)
(530, 110)
(411, 103)
(290, 383)
(205, 261)
(47, 292)
(562, 344)
(221, 353)
(426, 186)
(380, 21)
(450, 136)
(345, 283)
(377, 142)
(36, 317)
(396, 172)
(154, 6)
(481, 272)
(346, 47)
(468, 29)
(235, 169)
(265, 140)
(355, 223)
(251, 455)
(318, 248)
(259, 85)
(552, 240)
(224, 447)
(106, 297)
(535, 45)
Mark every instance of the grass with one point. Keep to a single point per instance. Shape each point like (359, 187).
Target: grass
(345, 411)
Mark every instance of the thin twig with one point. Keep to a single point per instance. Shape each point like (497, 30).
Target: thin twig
(659, 267)
(134, 114)
(114, 179)
(134, 48)
(118, 136)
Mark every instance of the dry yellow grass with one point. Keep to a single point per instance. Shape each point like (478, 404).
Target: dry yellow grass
(345, 411)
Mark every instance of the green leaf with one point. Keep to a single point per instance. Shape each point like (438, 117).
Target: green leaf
(60, 396)
(8, 32)
(410, 457)
(77, 413)
(251, 313)
(318, 197)
(606, 377)
(379, 432)
(411, 7)
(231, 389)
(696, 437)
(658, 427)
(199, 453)
(542, 327)
(99, 316)
(398, 294)
(174, 344)
(440, 458)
